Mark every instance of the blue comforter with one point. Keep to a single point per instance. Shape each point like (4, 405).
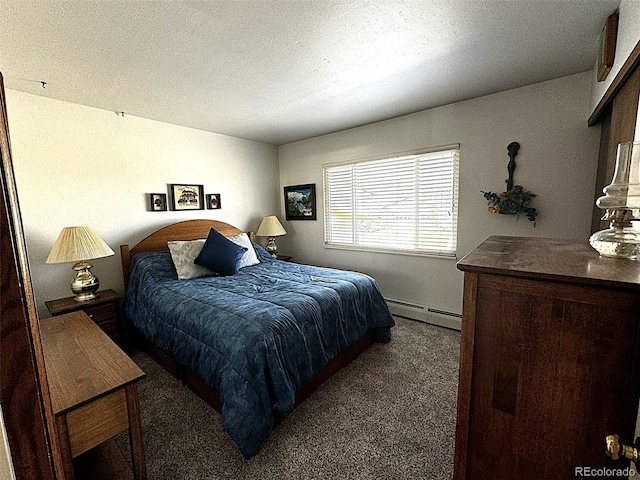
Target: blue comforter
(257, 336)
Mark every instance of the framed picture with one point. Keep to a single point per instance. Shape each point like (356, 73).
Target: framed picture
(300, 202)
(158, 202)
(213, 201)
(607, 50)
(187, 197)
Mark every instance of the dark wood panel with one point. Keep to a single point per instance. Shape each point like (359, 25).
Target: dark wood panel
(561, 291)
(23, 392)
(536, 362)
(508, 351)
(135, 432)
(604, 174)
(465, 376)
(630, 65)
(481, 427)
(521, 385)
(624, 113)
(618, 127)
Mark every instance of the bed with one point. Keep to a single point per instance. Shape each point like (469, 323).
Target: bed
(253, 344)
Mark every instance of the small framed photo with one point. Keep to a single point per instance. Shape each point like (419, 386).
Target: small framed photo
(158, 202)
(213, 201)
(300, 202)
(186, 197)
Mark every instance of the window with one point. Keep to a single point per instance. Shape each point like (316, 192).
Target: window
(404, 204)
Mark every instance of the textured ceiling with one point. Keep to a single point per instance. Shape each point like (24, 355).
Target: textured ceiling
(278, 71)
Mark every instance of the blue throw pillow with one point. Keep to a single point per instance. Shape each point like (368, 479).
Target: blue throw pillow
(220, 254)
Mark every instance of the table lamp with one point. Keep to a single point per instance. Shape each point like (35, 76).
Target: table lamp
(79, 244)
(271, 227)
(621, 202)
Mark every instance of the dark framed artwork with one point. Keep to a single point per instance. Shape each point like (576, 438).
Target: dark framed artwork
(300, 202)
(158, 202)
(186, 197)
(607, 50)
(213, 201)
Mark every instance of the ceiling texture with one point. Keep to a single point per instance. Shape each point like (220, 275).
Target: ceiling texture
(279, 71)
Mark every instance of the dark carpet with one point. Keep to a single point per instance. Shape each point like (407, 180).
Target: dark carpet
(389, 415)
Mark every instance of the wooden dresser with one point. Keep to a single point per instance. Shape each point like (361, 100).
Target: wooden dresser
(549, 359)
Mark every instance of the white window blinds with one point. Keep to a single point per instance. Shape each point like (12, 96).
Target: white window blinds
(406, 203)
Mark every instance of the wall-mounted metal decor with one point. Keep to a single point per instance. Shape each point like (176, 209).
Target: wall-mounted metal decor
(515, 200)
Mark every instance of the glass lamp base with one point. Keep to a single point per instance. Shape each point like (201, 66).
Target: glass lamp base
(617, 242)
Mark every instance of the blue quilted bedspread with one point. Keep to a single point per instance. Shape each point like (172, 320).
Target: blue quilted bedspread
(257, 336)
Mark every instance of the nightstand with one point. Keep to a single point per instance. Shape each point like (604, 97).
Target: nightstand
(104, 310)
(284, 258)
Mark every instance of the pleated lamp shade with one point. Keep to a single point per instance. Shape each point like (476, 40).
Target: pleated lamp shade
(271, 227)
(79, 244)
(75, 244)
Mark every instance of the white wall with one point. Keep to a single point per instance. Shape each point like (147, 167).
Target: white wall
(557, 160)
(627, 38)
(76, 165)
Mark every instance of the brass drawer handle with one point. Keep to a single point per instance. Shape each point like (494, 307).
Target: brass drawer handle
(615, 449)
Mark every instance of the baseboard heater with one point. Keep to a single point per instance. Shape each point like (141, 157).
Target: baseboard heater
(421, 313)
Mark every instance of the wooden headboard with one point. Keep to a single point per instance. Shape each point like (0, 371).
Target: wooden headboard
(187, 230)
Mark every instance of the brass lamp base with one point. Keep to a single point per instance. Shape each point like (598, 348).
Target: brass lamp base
(85, 284)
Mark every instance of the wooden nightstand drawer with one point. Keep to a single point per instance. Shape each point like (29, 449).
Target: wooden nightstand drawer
(103, 312)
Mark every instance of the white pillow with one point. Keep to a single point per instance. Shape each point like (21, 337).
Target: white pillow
(249, 258)
(183, 253)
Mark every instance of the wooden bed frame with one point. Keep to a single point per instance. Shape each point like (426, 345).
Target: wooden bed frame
(193, 230)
